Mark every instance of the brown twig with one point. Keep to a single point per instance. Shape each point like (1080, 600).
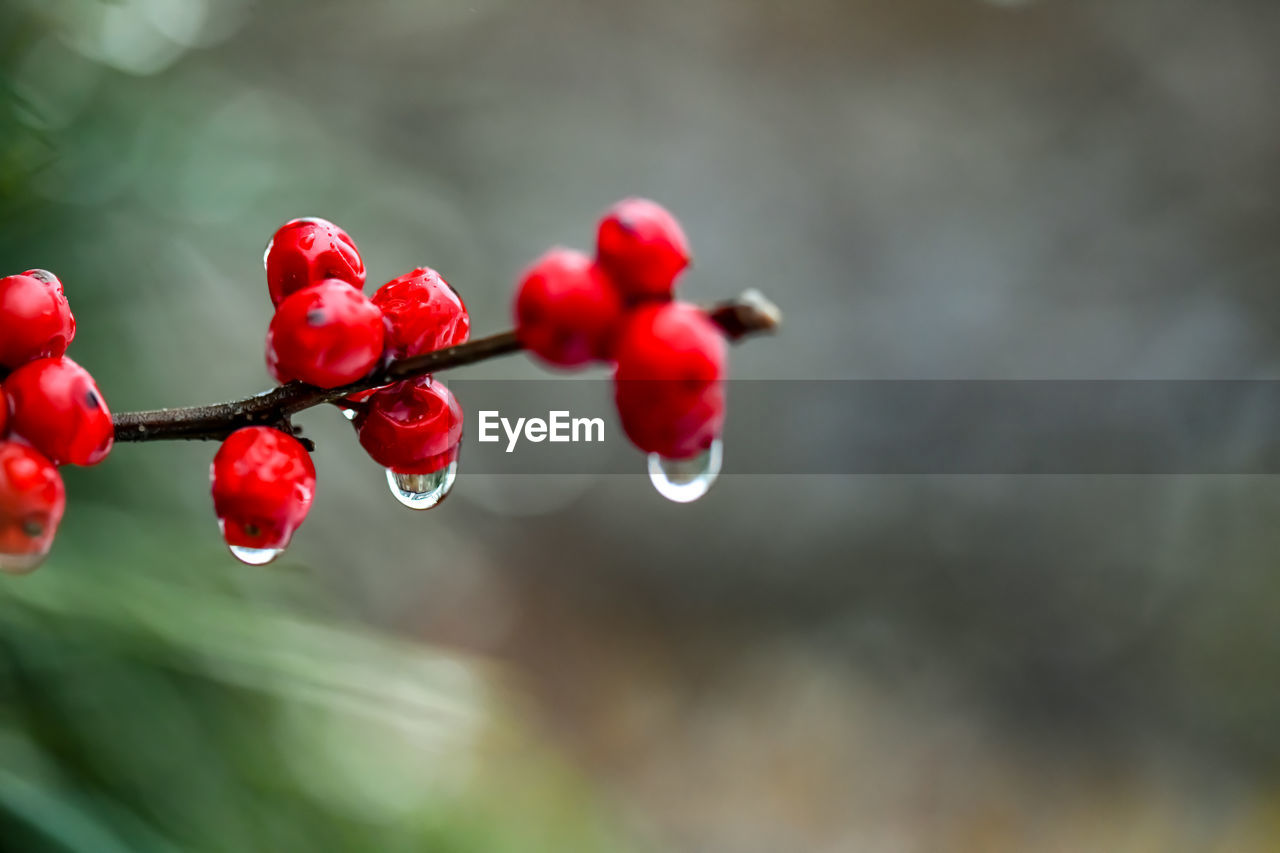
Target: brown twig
(751, 313)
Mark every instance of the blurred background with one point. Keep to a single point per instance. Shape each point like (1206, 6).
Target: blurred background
(930, 189)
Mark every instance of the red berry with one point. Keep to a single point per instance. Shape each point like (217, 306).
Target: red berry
(263, 483)
(566, 309)
(56, 406)
(35, 319)
(4, 413)
(672, 361)
(643, 247)
(32, 499)
(411, 427)
(326, 335)
(660, 417)
(673, 341)
(308, 251)
(423, 314)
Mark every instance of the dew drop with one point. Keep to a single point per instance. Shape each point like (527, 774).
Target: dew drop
(422, 491)
(21, 564)
(43, 275)
(266, 253)
(254, 556)
(349, 414)
(686, 480)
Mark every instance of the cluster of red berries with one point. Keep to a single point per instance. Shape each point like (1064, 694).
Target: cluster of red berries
(52, 414)
(570, 310)
(670, 358)
(327, 333)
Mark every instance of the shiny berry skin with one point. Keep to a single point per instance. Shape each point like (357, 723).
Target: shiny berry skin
(643, 248)
(423, 314)
(263, 482)
(411, 427)
(308, 251)
(671, 341)
(326, 335)
(669, 384)
(567, 310)
(32, 500)
(664, 418)
(55, 405)
(35, 319)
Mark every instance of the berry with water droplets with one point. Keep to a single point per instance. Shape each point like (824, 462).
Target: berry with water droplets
(411, 427)
(423, 314)
(32, 500)
(326, 335)
(263, 483)
(35, 319)
(643, 248)
(567, 310)
(663, 418)
(55, 405)
(669, 384)
(308, 251)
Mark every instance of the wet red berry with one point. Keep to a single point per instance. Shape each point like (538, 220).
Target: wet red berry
(643, 248)
(35, 319)
(411, 427)
(4, 413)
(263, 483)
(423, 314)
(673, 341)
(669, 386)
(567, 310)
(659, 417)
(327, 335)
(308, 251)
(55, 405)
(32, 500)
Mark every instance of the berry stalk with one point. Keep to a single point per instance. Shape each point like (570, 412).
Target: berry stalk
(749, 314)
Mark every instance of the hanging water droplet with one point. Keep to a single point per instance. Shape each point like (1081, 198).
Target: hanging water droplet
(422, 491)
(254, 556)
(686, 480)
(21, 564)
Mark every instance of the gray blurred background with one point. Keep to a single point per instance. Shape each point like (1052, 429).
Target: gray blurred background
(931, 189)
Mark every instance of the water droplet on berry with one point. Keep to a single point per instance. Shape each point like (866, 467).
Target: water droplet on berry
(349, 414)
(21, 564)
(43, 275)
(254, 556)
(266, 253)
(686, 480)
(422, 491)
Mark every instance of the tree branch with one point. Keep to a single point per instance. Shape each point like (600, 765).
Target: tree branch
(749, 314)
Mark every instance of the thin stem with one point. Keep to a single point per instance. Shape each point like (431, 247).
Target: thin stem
(749, 314)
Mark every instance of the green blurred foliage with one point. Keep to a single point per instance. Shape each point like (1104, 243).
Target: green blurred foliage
(183, 713)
